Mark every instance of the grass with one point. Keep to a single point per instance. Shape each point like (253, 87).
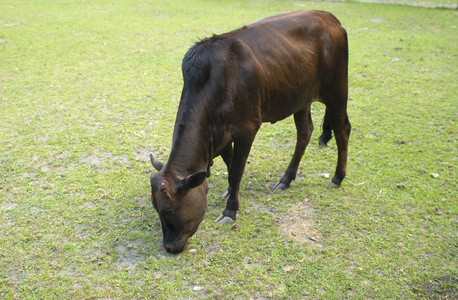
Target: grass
(89, 88)
(451, 4)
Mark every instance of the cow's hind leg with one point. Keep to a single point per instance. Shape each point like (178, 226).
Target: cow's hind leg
(334, 94)
(341, 126)
(304, 126)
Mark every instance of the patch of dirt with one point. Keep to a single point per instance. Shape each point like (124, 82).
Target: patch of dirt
(89, 204)
(8, 205)
(103, 160)
(298, 224)
(92, 160)
(128, 254)
(444, 288)
(142, 154)
(11, 24)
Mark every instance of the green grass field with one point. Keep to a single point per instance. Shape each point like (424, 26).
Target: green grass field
(89, 88)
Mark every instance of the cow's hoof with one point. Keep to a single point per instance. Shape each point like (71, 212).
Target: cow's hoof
(224, 220)
(226, 195)
(332, 185)
(280, 187)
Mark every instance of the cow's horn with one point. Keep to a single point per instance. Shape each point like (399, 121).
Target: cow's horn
(155, 162)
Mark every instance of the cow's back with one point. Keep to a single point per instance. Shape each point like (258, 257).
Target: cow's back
(292, 56)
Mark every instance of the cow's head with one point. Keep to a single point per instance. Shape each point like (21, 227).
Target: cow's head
(180, 202)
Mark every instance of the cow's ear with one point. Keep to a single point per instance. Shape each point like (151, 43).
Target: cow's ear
(191, 181)
(156, 163)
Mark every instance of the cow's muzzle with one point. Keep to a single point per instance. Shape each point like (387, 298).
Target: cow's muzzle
(174, 247)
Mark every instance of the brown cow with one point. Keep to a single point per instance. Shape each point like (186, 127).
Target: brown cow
(262, 72)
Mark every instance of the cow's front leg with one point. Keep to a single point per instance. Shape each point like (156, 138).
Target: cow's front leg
(242, 148)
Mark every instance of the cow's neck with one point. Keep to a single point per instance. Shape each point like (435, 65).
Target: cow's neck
(191, 148)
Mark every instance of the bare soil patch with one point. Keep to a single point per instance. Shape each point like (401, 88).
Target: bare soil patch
(142, 154)
(128, 254)
(8, 205)
(298, 224)
(445, 287)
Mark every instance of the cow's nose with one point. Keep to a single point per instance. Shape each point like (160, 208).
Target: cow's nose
(173, 248)
(168, 248)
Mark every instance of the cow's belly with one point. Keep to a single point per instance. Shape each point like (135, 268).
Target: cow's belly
(282, 106)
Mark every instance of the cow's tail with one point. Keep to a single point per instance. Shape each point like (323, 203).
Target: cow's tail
(326, 136)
